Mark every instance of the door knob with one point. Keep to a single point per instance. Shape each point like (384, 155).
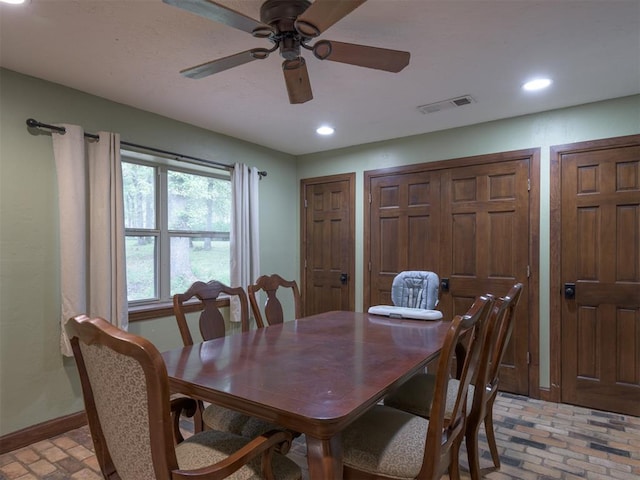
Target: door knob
(569, 290)
(444, 284)
(344, 278)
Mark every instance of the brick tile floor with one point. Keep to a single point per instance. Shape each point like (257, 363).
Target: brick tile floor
(536, 440)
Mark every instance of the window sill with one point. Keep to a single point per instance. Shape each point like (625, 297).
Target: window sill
(139, 313)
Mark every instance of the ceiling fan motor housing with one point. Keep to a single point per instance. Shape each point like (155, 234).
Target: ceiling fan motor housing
(281, 15)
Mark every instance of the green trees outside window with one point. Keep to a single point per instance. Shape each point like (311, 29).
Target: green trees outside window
(177, 225)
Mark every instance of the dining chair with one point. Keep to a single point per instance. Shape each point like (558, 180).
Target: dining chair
(415, 395)
(415, 289)
(487, 396)
(388, 443)
(126, 394)
(211, 321)
(273, 312)
(212, 325)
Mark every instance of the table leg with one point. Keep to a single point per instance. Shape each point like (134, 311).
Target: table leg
(324, 458)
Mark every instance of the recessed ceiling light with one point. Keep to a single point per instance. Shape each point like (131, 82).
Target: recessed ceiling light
(325, 130)
(536, 84)
(14, 2)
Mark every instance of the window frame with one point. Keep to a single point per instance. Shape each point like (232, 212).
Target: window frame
(162, 304)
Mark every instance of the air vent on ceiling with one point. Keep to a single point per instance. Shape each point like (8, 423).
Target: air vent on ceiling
(446, 104)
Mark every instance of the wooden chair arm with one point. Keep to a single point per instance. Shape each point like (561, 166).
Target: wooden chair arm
(263, 445)
(181, 406)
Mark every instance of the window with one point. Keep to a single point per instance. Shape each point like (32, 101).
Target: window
(177, 224)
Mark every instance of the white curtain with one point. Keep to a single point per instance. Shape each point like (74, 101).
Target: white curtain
(245, 256)
(92, 250)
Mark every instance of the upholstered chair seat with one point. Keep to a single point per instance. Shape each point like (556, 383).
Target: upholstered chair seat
(224, 419)
(210, 447)
(386, 441)
(422, 386)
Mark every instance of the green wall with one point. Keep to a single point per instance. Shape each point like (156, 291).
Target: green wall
(36, 383)
(592, 121)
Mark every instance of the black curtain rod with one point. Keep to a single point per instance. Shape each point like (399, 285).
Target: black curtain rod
(31, 123)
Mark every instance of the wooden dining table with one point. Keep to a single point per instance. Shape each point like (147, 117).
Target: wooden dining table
(314, 375)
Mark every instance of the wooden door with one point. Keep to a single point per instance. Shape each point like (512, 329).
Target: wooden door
(328, 243)
(485, 248)
(405, 221)
(600, 277)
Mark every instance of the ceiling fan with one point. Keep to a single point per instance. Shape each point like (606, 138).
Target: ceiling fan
(290, 25)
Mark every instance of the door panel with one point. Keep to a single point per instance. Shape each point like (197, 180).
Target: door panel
(468, 223)
(405, 225)
(328, 244)
(485, 248)
(600, 238)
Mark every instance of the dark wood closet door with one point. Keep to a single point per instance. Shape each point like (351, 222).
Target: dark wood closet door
(485, 248)
(405, 226)
(328, 244)
(600, 238)
(474, 221)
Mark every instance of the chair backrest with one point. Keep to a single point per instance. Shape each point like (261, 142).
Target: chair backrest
(447, 427)
(126, 395)
(415, 289)
(211, 321)
(273, 312)
(487, 352)
(504, 328)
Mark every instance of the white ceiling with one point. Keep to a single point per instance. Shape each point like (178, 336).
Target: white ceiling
(131, 52)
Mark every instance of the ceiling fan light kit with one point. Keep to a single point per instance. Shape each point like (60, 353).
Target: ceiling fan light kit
(290, 25)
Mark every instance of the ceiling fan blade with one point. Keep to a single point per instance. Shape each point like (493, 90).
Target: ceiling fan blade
(321, 14)
(220, 13)
(362, 55)
(225, 63)
(296, 76)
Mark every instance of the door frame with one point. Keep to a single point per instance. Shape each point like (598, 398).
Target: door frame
(533, 155)
(351, 179)
(554, 394)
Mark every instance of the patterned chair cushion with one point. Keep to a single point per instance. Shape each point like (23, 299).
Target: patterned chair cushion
(224, 419)
(387, 442)
(121, 406)
(415, 289)
(416, 394)
(206, 448)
